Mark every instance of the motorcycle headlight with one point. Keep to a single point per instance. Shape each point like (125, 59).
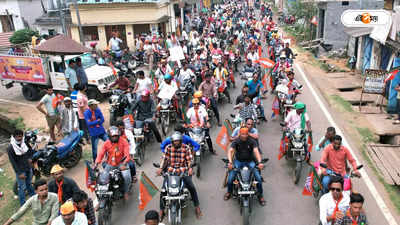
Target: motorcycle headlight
(173, 191)
(164, 106)
(297, 144)
(137, 131)
(288, 101)
(102, 187)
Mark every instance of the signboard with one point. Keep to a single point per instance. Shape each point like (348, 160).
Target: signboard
(176, 53)
(374, 82)
(22, 68)
(167, 92)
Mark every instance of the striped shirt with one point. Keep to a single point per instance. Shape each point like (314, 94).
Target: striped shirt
(74, 99)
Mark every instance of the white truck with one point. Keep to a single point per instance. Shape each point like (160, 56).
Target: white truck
(35, 73)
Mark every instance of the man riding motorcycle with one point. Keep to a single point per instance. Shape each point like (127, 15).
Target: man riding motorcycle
(178, 159)
(146, 110)
(221, 76)
(335, 156)
(209, 90)
(115, 149)
(246, 154)
(255, 90)
(128, 135)
(198, 117)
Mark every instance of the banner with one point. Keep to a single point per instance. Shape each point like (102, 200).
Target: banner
(176, 53)
(223, 136)
(374, 82)
(266, 63)
(22, 68)
(147, 190)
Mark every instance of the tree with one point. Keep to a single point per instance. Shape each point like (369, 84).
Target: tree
(23, 36)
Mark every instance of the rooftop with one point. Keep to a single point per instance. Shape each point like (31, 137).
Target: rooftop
(115, 1)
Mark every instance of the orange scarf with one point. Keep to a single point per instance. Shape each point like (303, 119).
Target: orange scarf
(336, 209)
(196, 111)
(60, 191)
(93, 117)
(353, 221)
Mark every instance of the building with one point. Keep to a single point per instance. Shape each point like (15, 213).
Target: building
(50, 23)
(100, 18)
(330, 28)
(19, 14)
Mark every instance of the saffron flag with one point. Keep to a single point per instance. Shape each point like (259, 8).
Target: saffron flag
(313, 181)
(391, 74)
(314, 20)
(223, 136)
(90, 176)
(283, 147)
(154, 79)
(113, 69)
(266, 63)
(147, 190)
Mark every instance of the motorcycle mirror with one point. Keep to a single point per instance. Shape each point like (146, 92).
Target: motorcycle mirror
(264, 160)
(156, 165)
(225, 160)
(282, 124)
(323, 165)
(193, 165)
(360, 166)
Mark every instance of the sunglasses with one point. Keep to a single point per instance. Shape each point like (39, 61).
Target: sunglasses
(196, 104)
(336, 189)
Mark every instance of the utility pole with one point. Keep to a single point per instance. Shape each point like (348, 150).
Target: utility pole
(79, 23)
(62, 17)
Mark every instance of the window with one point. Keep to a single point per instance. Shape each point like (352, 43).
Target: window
(345, 3)
(58, 67)
(90, 33)
(52, 32)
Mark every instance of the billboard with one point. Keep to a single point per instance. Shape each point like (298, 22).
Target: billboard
(22, 68)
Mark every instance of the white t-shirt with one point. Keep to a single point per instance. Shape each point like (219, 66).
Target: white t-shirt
(294, 120)
(143, 84)
(114, 43)
(327, 205)
(202, 112)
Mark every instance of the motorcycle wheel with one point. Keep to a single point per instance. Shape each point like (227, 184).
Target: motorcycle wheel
(140, 158)
(113, 119)
(165, 125)
(74, 159)
(198, 170)
(297, 172)
(246, 215)
(174, 217)
(104, 216)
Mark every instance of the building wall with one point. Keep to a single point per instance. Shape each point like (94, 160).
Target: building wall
(111, 14)
(334, 30)
(30, 10)
(14, 10)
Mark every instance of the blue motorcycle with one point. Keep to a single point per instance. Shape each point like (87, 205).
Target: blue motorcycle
(67, 153)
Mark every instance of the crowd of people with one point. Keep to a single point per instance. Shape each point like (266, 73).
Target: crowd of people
(216, 39)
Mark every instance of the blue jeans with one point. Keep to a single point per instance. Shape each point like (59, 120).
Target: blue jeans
(325, 183)
(256, 173)
(95, 142)
(25, 185)
(132, 167)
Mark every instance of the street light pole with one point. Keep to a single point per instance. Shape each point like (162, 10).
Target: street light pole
(79, 23)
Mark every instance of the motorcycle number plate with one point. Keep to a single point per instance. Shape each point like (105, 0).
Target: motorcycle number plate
(246, 192)
(164, 110)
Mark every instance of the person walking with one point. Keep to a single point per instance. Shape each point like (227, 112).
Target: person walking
(69, 120)
(94, 120)
(20, 156)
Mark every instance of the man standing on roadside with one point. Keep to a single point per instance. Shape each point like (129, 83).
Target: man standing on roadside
(63, 186)
(69, 120)
(80, 72)
(20, 156)
(94, 121)
(70, 75)
(44, 206)
(51, 116)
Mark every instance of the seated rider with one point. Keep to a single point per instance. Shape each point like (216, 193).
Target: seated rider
(128, 135)
(186, 139)
(246, 154)
(115, 150)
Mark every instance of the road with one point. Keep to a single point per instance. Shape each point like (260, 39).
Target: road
(285, 203)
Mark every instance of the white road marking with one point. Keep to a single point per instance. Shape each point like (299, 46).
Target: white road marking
(17, 103)
(381, 204)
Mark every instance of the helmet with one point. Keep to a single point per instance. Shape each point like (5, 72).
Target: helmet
(176, 136)
(145, 93)
(167, 77)
(198, 94)
(113, 131)
(195, 101)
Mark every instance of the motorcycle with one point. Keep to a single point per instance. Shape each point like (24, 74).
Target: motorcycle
(142, 136)
(119, 103)
(247, 75)
(297, 149)
(244, 189)
(67, 153)
(198, 134)
(108, 189)
(285, 103)
(177, 195)
(167, 113)
(184, 90)
(318, 190)
(221, 86)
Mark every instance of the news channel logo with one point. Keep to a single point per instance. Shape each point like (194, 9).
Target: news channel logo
(366, 18)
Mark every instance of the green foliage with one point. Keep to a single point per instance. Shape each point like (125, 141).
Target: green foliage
(23, 36)
(345, 105)
(366, 134)
(18, 123)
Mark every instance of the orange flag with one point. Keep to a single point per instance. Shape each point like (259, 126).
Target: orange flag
(223, 138)
(266, 63)
(113, 69)
(147, 190)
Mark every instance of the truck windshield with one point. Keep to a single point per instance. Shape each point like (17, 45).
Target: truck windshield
(87, 60)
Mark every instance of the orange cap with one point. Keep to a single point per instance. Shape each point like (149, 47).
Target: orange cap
(244, 130)
(67, 208)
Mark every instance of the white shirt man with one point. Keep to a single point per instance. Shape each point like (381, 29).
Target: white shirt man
(143, 84)
(293, 119)
(253, 56)
(327, 205)
(202, 115)
(114, 43)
